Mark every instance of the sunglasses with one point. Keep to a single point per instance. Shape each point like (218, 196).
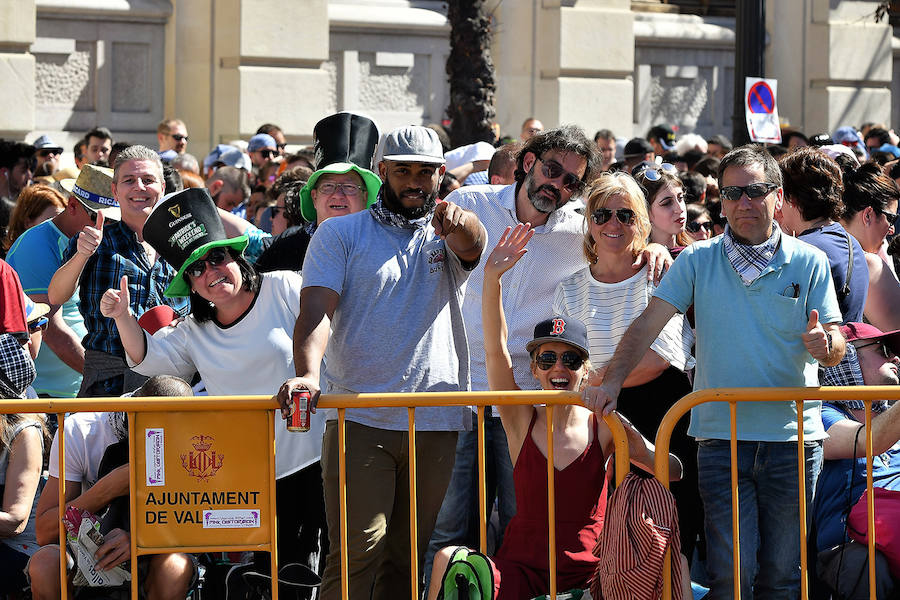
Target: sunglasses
(553, 170)
(754, 190)
(656, 173)
(625, 216)
(570, 359)
(350, 190)
(885, 349)
(274, 211)
(39, 325)
(214, 258)
(268, 153)
(891, 217)
(178, 137)
(695, 226)
(281, 146)
(91, 213)
(46, 153)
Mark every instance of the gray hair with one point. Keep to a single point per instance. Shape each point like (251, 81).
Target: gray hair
(752, 155)
(137, 152)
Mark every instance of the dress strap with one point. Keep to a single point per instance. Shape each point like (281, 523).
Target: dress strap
(533, 421)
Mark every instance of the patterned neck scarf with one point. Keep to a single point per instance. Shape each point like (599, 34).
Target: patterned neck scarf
(747, 260)
(392, 219)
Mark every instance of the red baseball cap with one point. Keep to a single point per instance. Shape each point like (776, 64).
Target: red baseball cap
(853, 332)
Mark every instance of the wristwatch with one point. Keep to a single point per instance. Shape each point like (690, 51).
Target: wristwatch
(828, 343)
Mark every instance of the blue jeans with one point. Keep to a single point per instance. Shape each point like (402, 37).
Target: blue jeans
(769, 515)
(457, 522)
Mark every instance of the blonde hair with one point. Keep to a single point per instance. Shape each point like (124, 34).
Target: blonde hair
(598, 195)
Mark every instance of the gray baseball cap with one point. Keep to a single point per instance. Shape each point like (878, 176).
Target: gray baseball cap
(413, 144)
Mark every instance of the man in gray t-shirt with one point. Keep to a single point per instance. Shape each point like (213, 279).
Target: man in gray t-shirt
(390, 281)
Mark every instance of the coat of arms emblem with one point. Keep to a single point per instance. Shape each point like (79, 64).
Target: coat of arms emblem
(202, 462)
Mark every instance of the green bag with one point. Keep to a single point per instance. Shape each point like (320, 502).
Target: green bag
(469, 576)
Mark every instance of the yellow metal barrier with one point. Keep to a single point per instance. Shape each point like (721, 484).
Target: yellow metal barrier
(798, 396)
(341, 402)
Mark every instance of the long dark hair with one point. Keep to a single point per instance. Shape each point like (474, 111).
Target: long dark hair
(204, 310)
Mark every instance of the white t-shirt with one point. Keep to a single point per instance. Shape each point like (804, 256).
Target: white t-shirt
(253, 356)
(607, 309)
(87, 436)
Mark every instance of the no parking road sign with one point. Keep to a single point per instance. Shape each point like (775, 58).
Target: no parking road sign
(762, 111)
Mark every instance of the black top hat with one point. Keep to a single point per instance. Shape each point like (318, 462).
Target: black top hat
(182, 228)
(345, 142)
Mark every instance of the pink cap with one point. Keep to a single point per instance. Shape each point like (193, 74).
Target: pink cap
(156, 318)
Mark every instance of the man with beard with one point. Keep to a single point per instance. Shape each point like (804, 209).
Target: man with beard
(15, 168)
(392, 276)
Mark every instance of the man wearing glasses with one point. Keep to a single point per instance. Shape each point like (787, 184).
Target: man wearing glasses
(172, 135)
(262, 148)
(871, 360)
(766, 313)
(46, 156)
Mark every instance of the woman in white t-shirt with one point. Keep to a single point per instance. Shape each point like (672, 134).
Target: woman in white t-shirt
(607, 296)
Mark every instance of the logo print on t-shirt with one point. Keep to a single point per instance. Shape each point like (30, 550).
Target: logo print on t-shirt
(436, 259)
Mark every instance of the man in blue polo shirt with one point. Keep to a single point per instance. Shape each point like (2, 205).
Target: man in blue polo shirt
(37, 254)
(766, 312)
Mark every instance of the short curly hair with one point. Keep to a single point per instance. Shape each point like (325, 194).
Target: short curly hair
(812, 183)
(567, 138)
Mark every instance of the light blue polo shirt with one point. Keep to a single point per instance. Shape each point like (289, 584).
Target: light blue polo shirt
(36, 255)
(750, 336)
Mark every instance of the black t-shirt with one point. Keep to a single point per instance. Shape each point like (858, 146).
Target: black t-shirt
(285, 252)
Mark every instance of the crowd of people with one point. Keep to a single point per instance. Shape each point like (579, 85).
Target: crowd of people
(631, 271)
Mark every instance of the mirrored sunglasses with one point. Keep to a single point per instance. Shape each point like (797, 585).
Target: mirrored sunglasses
(754, 190)
(655, 173)
(570, 359)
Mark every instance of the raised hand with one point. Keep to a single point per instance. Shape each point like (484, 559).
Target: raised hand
(90, 237)
(815, 338)
(114, 303)
(509, 249)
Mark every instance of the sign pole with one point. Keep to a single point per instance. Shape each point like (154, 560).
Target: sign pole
(749, 49)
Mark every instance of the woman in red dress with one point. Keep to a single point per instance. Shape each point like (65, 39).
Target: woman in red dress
(582, 443)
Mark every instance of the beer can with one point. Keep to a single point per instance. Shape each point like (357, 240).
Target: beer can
(299, 418)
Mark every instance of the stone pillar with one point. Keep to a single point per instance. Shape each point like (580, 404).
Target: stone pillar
(17, 33)
(565, 64)
(833, 63)
(267, 67)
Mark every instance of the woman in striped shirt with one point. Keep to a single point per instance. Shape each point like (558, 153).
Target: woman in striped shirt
(607, 296)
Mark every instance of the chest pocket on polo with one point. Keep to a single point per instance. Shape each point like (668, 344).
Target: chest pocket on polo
(784, 314)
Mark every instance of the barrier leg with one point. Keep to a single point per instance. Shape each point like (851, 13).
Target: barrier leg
(482, 492)
(342, 488)
(735, 504)
(551, 503)
(413, 525)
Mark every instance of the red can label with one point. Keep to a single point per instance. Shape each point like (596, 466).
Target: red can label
(299, 419)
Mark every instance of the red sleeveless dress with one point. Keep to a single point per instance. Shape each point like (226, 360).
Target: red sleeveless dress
(580, 506)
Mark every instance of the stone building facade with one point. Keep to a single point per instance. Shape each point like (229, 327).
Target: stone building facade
(227, 66)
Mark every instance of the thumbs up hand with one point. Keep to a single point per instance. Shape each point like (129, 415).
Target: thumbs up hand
(815, 338)
(90, 237)
(114, 303)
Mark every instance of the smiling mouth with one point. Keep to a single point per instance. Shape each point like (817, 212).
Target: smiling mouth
(217, 282)
(613, 235)
(559, 383)
(338, 206)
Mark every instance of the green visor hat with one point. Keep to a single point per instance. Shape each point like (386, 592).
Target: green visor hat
(370, 179)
